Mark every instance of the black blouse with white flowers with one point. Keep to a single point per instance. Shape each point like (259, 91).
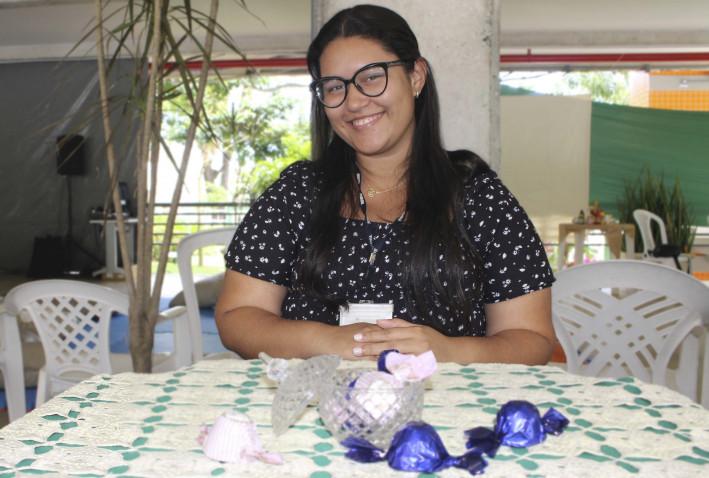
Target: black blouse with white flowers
(269, 242)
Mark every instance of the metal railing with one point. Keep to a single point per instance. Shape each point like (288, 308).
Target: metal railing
(194, 217)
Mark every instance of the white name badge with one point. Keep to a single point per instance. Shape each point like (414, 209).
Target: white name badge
(367, 313)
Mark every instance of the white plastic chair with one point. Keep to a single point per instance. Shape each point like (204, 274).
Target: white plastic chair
(185, 249)
(72, 319)
(11, 366)
(621, 317)
(644, 219)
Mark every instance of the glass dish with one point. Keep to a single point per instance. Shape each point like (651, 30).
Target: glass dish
(369, 405)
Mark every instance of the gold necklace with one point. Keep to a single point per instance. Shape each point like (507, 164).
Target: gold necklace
(371, 192)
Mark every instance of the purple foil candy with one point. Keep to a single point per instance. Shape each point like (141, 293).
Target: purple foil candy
(416, 447)
(381, 361)
(554, 422)
(518, 425)
(407, 367)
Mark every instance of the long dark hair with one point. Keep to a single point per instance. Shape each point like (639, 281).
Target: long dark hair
(435, 177)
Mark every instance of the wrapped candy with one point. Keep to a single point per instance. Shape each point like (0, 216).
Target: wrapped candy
(416, 447)
(233, 439)
(518, 424)
(407, 367)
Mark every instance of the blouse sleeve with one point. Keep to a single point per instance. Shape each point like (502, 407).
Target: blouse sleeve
(513, 256)
(265, 243)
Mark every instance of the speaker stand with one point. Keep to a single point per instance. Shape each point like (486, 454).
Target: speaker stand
(70, 244)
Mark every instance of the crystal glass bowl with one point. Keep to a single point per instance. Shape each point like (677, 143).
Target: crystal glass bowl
(369, 405)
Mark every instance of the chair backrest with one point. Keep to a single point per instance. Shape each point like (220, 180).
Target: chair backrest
(644, 219)
(72, 319)
(620, 317)
(185, 249)
(11, 365)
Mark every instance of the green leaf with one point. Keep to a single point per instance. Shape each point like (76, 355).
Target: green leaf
(527, 464)
(118, 470)
(701, 452)
(667, 424)
(321, 460)
(140, 441)
(54, 417)
(610, 451)
(545, 456)
(114, 447)
(24, 463)
(627, 466)
(595, 436)
(592, 456)
(632, 389)
(130, 455)
(582, 422)
(323, 447)
(692, 460)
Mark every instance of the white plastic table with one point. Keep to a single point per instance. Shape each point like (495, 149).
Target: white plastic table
(111, 269)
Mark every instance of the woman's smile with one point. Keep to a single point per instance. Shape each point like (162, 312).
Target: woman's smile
(366, 121)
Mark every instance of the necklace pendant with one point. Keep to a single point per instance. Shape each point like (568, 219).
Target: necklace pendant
(371, 192)
(372, 257)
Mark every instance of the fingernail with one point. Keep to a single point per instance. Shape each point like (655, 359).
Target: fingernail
(357, 351)
(358, 337)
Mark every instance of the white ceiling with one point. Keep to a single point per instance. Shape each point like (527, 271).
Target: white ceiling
(32, 30)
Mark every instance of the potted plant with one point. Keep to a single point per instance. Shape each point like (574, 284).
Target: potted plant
(153, 33)
(651, 193)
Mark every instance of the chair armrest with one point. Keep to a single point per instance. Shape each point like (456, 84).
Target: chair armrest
(182, 351)
(173, 313)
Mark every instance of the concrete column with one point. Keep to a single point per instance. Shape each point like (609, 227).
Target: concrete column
(460, 40)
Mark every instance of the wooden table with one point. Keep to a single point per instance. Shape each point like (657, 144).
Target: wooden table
(612, 232)
(147, 425)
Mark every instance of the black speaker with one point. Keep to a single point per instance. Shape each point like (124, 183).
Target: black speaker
(70, 155)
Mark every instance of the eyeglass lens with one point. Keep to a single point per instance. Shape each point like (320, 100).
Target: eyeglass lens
(371, 81)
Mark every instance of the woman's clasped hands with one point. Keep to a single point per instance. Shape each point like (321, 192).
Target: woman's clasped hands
(369, 340)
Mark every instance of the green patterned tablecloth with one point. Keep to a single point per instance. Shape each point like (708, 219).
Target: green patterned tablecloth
(147, 425)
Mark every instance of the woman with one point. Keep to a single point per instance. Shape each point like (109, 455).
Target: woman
(384, 214)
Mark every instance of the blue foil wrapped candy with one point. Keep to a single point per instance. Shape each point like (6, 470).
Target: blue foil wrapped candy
(518, 424)
(416, 447)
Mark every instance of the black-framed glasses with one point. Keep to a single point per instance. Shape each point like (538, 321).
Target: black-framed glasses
(371, 80)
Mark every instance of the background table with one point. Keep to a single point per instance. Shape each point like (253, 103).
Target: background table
(111, 269)
(146, 425)
(613, 239)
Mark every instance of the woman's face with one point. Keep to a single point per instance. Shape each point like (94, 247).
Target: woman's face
(382, 126)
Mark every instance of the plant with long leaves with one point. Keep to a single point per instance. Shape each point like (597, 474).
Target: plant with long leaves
(154, 33)
(649, 192)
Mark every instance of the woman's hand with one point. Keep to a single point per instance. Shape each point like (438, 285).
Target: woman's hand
(341, 339)
(397, 334)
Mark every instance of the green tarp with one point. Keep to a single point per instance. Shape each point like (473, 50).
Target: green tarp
(673, 143)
